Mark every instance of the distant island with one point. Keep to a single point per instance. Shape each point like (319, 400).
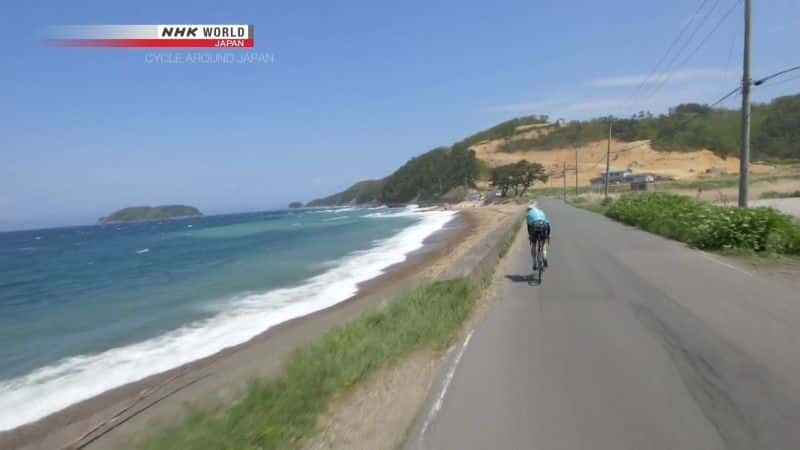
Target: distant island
(295, 205)
(139, 213)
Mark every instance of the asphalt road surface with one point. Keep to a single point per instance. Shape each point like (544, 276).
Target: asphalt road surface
(631, 342)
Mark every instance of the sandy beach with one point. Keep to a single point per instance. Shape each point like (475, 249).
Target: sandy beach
(122, 416)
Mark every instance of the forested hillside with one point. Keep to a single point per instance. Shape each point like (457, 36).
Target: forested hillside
(775, 130)
(362, 192)
(138, 213)
(430, 175)
(687, 127)
(422, 178)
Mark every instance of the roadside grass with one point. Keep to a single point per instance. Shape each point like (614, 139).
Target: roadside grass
(590, 205)
(505, 246)
(721, 182)
(280, 413)
(776, 194)
(706, 184)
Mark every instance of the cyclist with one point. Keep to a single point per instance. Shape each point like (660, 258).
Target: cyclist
(538, 231)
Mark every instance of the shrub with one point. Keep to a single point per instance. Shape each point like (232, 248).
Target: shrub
(707, 226)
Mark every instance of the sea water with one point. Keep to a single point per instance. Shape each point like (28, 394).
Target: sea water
(87, 309)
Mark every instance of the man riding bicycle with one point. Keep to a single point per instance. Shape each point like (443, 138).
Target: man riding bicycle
(538, 232)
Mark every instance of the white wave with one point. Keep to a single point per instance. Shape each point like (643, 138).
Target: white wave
(142, 251)
(332, 219)
(407, 211)
(51, 388)
(336, 210)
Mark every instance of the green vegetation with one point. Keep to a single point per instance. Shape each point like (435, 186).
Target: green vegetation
(574, 133)
(776, 194)
(518, 176)
(505, 246)
(427, 177)
(775, 130)
(368, 191)
(707, 226)
(431, 175)
(600, 207)
(692, 126)
(778, 134)
(138, 213)
(503, 130)
(281, 412)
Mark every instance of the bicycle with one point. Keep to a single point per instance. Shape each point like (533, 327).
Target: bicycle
(537, 253)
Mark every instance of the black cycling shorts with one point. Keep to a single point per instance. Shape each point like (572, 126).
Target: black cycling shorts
(539, 231)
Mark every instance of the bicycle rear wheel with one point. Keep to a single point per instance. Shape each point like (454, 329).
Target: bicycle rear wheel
(540, 263)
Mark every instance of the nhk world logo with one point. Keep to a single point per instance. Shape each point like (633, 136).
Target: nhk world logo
(154, 36)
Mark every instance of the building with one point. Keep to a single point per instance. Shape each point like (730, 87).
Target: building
(643, 182)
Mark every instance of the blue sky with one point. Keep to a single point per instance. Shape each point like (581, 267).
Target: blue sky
(355, 89)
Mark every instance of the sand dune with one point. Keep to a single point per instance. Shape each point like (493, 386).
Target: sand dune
(592, 159)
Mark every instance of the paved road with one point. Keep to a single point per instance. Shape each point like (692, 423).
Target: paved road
(632, 342)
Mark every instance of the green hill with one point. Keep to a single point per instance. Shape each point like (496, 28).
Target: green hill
(692, 126)
(426, 177)
(775, 130)
(429, 176)
(139, 213)
(367, 191)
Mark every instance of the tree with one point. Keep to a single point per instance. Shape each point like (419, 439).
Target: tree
(518, 177)
(528, 173)
(501, 179)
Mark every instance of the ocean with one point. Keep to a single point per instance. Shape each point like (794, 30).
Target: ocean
(86, 309)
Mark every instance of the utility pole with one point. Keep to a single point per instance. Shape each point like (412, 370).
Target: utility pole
(744, 157)
(608, 158)
(564, 172)
(576, 171)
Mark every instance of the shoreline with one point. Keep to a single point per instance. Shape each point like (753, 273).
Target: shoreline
(164, 398)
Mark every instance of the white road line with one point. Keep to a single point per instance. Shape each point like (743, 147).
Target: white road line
(437, 405)
(730, 266)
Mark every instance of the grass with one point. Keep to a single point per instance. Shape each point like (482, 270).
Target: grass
(596, 207)
(281, 412)
(707, 184)
(509, 239)
(776, 194)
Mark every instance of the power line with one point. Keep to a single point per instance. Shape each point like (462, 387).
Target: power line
(672, 45)
(726, 96)
(666, 73)
(775, 75)
(686, 122)
(778, 83)
(696, 49)
(729, 60)
(648, 141)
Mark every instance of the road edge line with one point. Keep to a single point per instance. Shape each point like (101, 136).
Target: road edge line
(437, 405)
(730, 266)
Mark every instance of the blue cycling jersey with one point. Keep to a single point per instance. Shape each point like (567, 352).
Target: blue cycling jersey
(535, 215)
